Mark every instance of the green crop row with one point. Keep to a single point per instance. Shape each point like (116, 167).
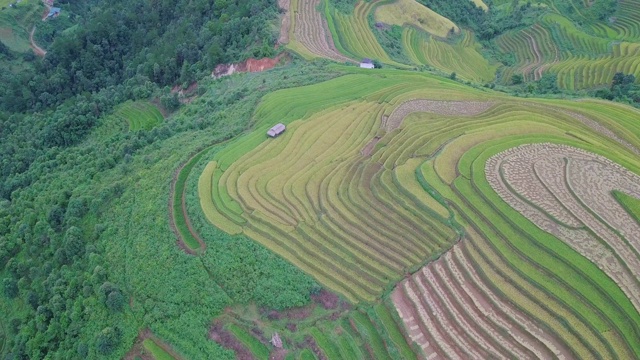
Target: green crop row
(462, 58)
(588, 284)
(255, 346)
(631, 204)
(157, 352)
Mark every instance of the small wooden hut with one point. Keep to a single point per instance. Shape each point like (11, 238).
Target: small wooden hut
(276, 130)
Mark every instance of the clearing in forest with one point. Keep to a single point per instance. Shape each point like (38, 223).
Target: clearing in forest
(140, 115)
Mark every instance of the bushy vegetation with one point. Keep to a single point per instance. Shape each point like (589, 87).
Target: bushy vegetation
(62, 258)
(486, 24)
(623, 88)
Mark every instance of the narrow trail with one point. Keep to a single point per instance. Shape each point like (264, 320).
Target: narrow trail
(36, 49)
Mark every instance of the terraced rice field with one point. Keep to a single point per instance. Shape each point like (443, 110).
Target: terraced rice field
(377, 175)
(372, 334)
(309, 33)
(352, 34)
(140, 115)
(462, 57)
(510, 289)
(580, 60)
(413, 14)
(625, 22)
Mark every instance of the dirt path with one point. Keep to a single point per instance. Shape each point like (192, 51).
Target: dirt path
(36, 49)
(172, 220)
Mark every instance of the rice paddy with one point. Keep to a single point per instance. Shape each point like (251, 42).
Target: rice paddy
(413, 14)
(140, 115)
(582, 57)
(377, 176)
(558, 46)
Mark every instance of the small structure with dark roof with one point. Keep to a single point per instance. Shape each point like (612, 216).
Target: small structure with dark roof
(276, 130)
(367, 64)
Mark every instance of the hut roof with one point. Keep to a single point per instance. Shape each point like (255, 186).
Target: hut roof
(276, 130)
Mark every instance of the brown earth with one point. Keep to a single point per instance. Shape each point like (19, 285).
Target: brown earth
(327, 299)
(36, 49)
(187, 95)
(249, 65)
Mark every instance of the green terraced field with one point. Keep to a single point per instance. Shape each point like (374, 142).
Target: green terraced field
(463, 57)
(558, 46)
(140, 115)
(335, 196)
(156, 351)
(582, 55)
(352, 34)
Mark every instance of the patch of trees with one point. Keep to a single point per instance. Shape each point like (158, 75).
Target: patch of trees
(343, 6)
(166, 41)
(62, 216)
(623, 88)
(486, 24)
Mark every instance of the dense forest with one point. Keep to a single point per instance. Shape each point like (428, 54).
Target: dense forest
(64, 163)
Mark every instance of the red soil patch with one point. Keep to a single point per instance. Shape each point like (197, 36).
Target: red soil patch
(187, 95)
(249, 65)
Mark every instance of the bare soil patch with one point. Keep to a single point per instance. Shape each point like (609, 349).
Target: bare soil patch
(36, 49)
(311, 344)
(249, 65)
(327, 299)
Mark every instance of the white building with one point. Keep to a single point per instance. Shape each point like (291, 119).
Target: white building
(367, 64)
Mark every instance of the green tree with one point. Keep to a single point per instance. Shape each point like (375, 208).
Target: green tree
(10, 287)
(108, 340)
